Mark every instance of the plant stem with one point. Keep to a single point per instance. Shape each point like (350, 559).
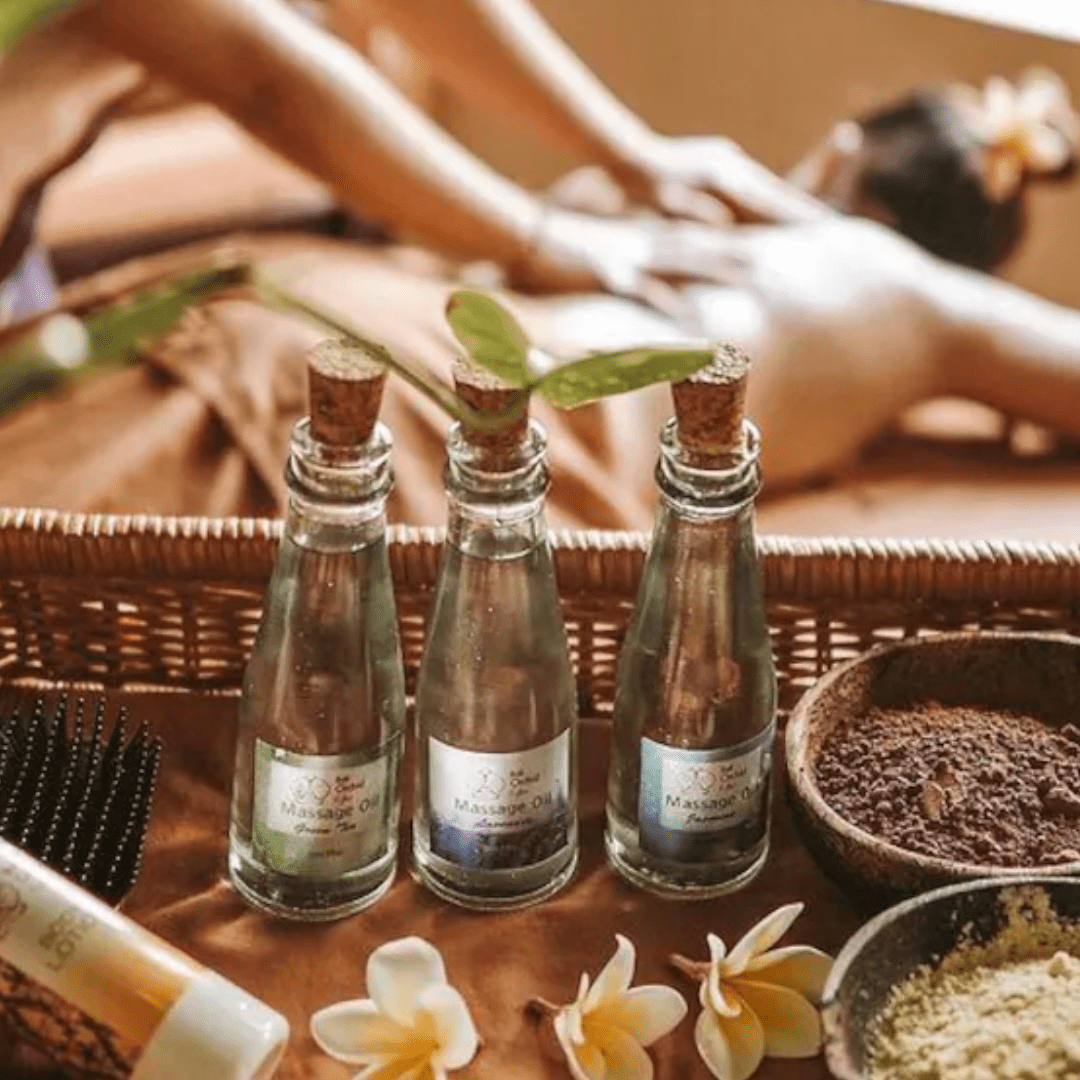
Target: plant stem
(696, 969)
(277, 296)
(542, 1007)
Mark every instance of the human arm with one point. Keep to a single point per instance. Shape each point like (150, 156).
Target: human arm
(316, 101)
(502, 54)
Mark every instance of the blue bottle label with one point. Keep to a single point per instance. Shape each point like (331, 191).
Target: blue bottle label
(689, 795)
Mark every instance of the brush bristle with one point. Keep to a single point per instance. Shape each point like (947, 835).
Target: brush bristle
(75, 799)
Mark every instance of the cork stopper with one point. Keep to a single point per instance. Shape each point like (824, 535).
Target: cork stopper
(709, 408)
(345, 388)
(488, 393)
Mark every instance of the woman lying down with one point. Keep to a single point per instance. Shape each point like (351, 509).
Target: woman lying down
(848, 322)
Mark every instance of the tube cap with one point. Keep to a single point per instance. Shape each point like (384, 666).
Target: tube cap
(214, 1031)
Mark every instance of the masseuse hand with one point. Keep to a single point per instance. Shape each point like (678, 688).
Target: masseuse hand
(640, 257)
(711, 179)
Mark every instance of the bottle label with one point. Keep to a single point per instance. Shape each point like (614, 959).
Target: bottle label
(701, 791)
(496, 811)
(320, 815)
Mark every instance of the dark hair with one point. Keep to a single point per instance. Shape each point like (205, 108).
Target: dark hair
(923, 165)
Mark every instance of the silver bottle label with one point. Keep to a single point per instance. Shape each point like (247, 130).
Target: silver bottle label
(699, 792)
(499, 810)
(319, 815)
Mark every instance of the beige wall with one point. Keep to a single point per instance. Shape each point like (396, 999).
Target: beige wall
(774, 74)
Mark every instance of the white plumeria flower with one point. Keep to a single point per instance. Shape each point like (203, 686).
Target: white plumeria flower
(757, 1002)
(415, 1026)
(1028, 128)
(605, 1031)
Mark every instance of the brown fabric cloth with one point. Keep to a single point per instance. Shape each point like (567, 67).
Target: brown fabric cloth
(497, 961)
(57, 91)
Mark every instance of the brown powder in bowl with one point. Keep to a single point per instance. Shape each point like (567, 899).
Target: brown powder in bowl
(978, 786)
(1005, 1010)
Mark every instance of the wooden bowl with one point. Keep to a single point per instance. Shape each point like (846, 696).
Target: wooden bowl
(894, 944)
(1038, 674)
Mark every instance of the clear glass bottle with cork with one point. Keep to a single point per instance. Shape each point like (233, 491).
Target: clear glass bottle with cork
(495, 820)
(689, 780)
(315, 791)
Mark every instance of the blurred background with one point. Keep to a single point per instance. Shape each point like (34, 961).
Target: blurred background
(774, 75)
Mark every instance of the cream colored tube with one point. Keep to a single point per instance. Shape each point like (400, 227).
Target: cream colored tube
(186, 1020)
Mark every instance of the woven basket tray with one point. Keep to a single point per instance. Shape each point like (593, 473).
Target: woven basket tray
(174, 602)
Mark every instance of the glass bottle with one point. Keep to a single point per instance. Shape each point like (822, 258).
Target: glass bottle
(315, 793)
(689, 779)
(495, 821)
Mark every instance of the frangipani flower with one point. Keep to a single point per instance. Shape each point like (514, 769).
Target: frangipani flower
(605, 1031)
(415, 1026)
(1028, 128)
(757, 1002)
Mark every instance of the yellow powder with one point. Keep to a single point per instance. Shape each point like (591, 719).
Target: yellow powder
(1005, 1010)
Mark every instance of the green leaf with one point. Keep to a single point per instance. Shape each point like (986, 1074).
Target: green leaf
(490, 335)
(116, 333)
(19, 17)
(603, 374)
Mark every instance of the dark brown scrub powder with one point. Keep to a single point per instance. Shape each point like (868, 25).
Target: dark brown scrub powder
(992, 788)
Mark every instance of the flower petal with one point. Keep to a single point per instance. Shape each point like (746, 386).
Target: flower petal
(1047, 150)
(717, 948)
(792, 1025)
(357, 1033)
(1002, 175)
(570, 1017)
(616, 977)
(583, 1059)
(714, 994)
(999, 104)
(801, 968)
(624, 1059)
(731, 1048)
(764, 935)
(397, 1069)
(1041, 94)
(452, 1026)
(645, 1012)
(399, 972)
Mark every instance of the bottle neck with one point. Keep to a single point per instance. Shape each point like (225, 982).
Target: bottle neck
(692, 490)
(496, 513)
(337, 494)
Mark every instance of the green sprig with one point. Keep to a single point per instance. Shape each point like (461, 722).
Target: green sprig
(19, 17)
(116, 334)
(493, 339)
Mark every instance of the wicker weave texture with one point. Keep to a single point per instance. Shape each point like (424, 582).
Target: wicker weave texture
(175, 602)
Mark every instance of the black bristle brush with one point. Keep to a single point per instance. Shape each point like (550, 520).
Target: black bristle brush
(75, 798)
